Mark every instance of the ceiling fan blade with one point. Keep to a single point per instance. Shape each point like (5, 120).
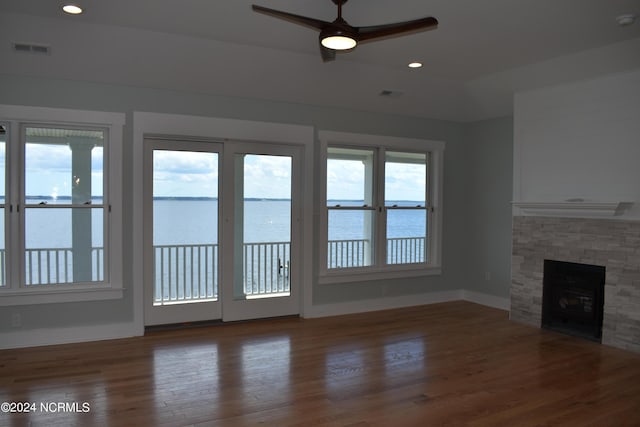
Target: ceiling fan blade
(326, 53)
(296, 19)
(398, 28)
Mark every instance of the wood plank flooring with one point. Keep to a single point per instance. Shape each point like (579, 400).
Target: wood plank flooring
(451, 364)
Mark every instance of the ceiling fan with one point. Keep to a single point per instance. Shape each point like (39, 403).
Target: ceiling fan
(339, 35)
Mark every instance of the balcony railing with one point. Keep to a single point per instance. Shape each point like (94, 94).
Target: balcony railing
(185, 273)
(46, 266)
(349, 253)
(266, 269)
(406, 250)
(189, 273)
(357, 253)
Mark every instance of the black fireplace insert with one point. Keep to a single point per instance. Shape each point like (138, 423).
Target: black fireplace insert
(573, 298)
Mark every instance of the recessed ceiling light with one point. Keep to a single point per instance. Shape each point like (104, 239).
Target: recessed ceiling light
(415, 65)
(391, 93)
(72, 9)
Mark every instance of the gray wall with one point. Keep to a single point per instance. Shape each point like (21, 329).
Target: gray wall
(467, 184)
(489, 152)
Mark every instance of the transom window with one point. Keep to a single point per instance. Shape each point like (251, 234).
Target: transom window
(382, 206)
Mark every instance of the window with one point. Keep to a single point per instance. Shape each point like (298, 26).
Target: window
(61, 227)
(383, 202)
(405, 204)
(350, 207)
(64, 213)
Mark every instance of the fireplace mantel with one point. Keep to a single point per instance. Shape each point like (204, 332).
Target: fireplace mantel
(573, 208)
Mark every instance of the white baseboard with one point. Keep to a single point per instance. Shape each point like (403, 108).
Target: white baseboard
(77, 334)
(486, 299)
(73, 334)
(362, 306)
(337, 309)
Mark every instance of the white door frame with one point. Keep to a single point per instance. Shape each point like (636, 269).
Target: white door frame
(174, 313)
(242, 309)
(145, 123)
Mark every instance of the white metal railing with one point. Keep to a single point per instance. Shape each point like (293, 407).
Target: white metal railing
(45, 266)
(356, 252)
(185, 273)
(3, 269)
(189, 273)
(406, 250)
(348, 253)
(265, 268)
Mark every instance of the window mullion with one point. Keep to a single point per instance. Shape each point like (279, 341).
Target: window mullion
(381, 215)
(9, 205)
(14, 261)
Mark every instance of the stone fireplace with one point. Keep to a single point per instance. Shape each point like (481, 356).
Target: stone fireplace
(611, 243)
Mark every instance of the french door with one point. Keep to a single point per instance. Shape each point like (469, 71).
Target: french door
(221, 227)
(262, 225)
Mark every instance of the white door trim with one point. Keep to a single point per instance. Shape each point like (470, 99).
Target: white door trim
(145, 123)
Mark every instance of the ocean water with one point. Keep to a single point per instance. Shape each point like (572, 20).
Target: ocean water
(194, 221)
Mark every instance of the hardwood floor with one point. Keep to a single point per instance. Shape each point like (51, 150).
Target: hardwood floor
(451, 364)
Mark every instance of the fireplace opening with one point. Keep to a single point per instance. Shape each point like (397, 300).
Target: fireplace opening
(573, 298)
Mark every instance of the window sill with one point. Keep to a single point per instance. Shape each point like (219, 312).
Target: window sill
(52, 295)
(369, 274)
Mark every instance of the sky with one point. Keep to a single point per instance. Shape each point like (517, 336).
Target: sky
(345, 181)
(48, 170)
(195, 174)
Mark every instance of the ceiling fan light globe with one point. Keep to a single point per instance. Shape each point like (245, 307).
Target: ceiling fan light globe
(72, 9)
(338, 42)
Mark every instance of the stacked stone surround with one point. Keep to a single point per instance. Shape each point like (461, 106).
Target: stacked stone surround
(614, 244)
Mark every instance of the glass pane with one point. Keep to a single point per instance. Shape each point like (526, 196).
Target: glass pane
(349, 184)
(63, 245)
(264, 201)
(185, 226)
(350, 238)
(405, 179)
(3, 276)
(406, 236)
(349, 177)
(405, 187)
(63, 166)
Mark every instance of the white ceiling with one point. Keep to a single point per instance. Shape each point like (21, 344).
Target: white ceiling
(482, 51)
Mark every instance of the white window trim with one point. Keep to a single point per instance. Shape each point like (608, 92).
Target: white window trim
(361, 274)
(14, 115)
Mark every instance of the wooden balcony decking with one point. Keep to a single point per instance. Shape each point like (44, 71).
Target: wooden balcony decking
(450, 364)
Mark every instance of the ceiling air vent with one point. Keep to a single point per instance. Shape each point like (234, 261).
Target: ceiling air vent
(38, 49)
(391, 93)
